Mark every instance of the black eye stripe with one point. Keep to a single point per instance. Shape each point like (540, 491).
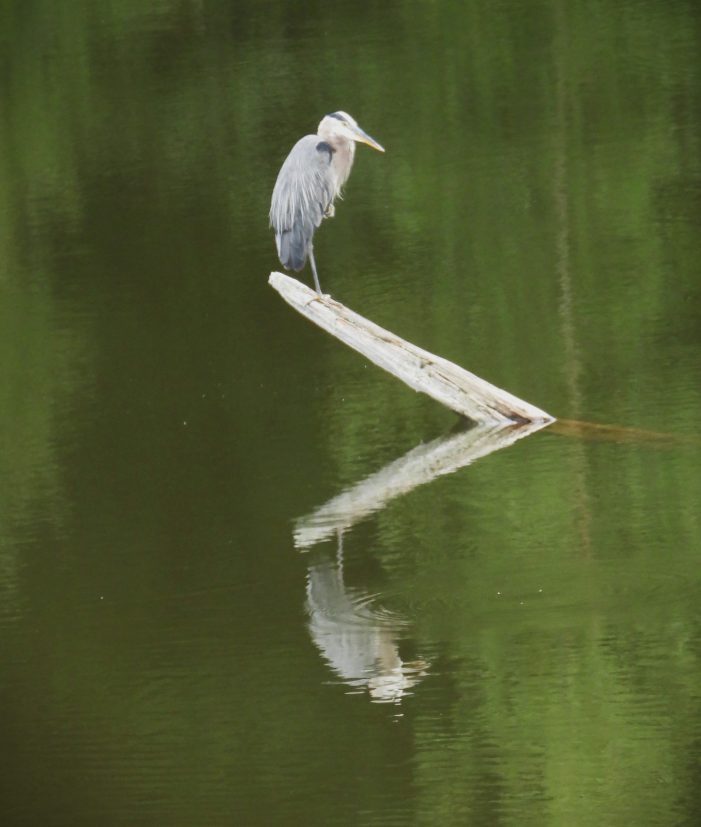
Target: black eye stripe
(337, 116)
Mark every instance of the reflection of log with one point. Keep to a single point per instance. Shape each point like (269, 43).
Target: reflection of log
(447, 383)
(421, 465)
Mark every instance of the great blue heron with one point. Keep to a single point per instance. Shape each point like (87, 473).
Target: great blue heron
(309, 181)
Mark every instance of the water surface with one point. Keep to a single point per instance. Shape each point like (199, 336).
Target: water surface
(514, 640)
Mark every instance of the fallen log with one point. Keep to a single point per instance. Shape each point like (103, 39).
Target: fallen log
(444, 381)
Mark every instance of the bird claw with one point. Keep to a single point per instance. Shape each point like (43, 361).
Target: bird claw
(319, 297)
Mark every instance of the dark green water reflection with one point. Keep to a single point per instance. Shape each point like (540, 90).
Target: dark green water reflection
(517, 642)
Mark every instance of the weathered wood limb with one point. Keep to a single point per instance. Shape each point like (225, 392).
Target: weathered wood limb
(447, 383)
(419, 466)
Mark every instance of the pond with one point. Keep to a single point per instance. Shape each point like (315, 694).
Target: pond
(243, 579)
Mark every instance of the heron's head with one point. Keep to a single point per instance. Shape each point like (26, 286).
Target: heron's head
(342, 125)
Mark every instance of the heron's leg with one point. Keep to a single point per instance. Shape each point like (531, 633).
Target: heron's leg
(316, 277)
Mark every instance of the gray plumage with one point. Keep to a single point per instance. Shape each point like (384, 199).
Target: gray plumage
(309, 181)
(305, 190)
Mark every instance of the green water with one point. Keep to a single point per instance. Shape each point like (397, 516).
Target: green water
(515, 643)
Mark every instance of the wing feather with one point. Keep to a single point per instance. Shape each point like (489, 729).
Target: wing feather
(303, 194)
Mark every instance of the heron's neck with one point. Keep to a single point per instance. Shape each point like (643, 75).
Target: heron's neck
(344, 153)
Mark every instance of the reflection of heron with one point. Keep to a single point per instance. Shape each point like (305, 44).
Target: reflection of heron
(309, 181)
(359, 640)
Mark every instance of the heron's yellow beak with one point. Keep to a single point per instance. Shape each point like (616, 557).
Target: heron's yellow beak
(364, 138)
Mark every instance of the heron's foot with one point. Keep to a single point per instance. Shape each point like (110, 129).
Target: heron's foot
(319, 297)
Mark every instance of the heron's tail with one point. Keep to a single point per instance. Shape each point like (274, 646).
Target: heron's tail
(292, 247)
